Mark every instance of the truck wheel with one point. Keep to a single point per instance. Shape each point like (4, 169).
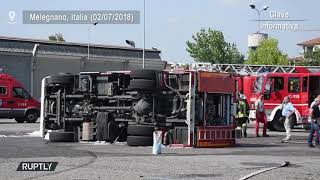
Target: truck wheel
(139, 141)
(141, 84)
(19, 120)
(61, 79)
(61, 137)
(31, 116)
(143, 74)
(270, 126)
(140, 130)
(277, 124)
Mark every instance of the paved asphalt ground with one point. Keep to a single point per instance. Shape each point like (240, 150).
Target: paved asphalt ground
(119, 161)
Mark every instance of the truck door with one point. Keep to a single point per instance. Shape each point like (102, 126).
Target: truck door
(20, 98)
(5, 106)
(277, 92)
(294, 89)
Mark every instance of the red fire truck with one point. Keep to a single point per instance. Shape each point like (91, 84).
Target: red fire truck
(301, 83)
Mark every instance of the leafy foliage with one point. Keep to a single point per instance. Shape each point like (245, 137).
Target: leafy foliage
(312, 59)
(267, 53)
(210, 46)
(58, 37)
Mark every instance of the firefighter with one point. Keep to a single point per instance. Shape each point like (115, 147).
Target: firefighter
(261, 116)
(243, 114)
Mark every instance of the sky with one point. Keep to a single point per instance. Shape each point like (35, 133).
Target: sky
(170, 23)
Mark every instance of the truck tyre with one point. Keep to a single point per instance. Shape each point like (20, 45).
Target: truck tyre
(143, 74)
(61, 136)
(277, 124)
(31, 116)
(102, 126)
(19, 120)
(139, 141)
(141, 84)
(270, 126)
(61, 79)
(140, 130)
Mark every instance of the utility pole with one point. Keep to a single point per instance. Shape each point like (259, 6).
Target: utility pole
(144, 33)
(89, 31)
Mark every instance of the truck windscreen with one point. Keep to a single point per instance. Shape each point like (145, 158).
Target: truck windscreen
(258, 84)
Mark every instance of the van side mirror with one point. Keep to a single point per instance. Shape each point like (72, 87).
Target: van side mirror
(29, 97)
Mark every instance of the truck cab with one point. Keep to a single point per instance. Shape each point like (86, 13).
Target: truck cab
(16, 102)
(301, 87)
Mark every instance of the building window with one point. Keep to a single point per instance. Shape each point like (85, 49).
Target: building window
(294, 85)
(3, 91)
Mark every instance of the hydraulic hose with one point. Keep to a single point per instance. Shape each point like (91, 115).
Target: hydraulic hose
(177, 92)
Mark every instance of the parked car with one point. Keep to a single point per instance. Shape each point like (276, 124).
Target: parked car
(16, 102)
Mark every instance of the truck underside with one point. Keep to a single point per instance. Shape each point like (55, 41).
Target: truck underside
(124, 106)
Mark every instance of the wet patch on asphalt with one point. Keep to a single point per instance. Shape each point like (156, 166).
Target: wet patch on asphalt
(187, 176)
(32, 147)
(13, 133)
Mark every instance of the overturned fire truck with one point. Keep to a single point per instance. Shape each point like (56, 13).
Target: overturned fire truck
(197, 107)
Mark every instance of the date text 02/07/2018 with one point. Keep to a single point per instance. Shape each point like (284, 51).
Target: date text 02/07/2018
(81, 17)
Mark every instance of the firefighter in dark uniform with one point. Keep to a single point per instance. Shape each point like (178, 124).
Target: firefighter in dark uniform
(242, 114)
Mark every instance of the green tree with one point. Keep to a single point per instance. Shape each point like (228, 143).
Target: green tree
(58, 37)
(267, 53)
(312, 59)
(210, 46)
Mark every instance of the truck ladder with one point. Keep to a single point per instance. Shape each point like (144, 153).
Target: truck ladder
(249, 69)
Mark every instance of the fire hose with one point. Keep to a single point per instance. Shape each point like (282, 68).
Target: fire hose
(284, 164)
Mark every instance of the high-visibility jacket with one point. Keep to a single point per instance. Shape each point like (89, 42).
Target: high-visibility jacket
(242, 109)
